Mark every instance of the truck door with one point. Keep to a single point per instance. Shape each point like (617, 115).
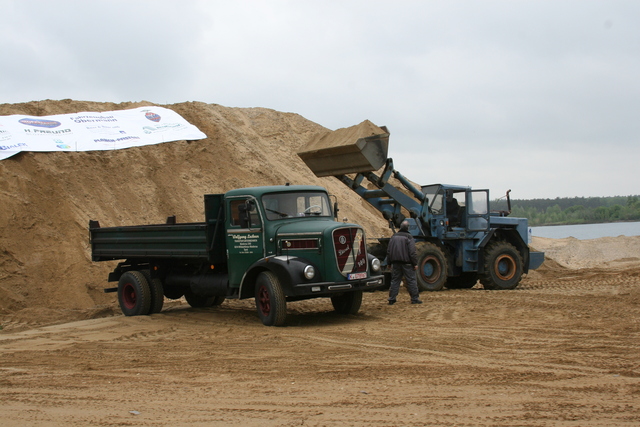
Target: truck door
(245, 243)
(477, 211)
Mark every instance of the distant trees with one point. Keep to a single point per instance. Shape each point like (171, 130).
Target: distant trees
(576, 210)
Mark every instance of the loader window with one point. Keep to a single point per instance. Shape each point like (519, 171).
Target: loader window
(436, 204)
(434, 195)
(478, 210)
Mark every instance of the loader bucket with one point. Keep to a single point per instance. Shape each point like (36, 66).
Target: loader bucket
(360, 148)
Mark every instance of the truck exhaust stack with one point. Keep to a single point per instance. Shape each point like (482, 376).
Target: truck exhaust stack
(356, 149)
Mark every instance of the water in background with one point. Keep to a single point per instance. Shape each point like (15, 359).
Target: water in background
(587, 231)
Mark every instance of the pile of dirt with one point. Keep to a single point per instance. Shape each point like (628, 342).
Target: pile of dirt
(359, 148)
(605, 252)
(47, 199)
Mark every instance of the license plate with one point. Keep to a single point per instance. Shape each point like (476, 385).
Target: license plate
(356, 276)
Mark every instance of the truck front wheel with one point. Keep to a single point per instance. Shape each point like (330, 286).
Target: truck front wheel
(270, 300)
(502, 266)
(432, 267)
(134, 294)
(347, 303)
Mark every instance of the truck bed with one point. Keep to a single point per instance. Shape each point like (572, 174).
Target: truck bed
(187, 241)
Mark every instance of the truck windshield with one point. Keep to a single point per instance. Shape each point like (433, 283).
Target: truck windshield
(296, 204)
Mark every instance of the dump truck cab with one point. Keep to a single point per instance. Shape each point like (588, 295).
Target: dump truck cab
(291, 231)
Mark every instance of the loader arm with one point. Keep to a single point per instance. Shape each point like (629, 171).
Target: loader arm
(389, 200)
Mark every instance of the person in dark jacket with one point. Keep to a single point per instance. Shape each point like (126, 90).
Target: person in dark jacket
(401, 254)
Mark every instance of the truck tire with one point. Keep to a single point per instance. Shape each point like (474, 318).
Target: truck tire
(431, 274)
(502, 266)
(347, 303)
(270, 300)
(199, 301)
(463, 281)
(157, 294)
(134, 294)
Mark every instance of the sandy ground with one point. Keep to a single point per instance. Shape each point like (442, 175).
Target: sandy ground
(561, 349)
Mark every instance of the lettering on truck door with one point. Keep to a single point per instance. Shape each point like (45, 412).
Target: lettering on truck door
(245, 243)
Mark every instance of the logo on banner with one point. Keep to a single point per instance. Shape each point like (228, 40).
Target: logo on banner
(152, 116)
(60, 144)
(4, 135)
(41, 123)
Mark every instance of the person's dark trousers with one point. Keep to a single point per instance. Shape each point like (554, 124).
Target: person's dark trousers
(398, 270)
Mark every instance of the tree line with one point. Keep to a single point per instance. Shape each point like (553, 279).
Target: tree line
(573, 210)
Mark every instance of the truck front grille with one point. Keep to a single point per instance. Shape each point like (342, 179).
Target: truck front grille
(351, 255)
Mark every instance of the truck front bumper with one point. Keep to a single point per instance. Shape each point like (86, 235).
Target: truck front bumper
(328, 288)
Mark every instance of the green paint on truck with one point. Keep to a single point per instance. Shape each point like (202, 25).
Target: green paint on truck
(275, 244)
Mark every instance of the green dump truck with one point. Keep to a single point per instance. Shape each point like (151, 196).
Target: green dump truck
(274, 244)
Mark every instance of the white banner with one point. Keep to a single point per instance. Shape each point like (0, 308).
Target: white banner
(93, 131)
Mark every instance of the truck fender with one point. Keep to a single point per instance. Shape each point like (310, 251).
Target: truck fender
(288, 269)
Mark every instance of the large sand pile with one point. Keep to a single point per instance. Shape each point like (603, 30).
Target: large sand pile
(47, 199)
(605, 252)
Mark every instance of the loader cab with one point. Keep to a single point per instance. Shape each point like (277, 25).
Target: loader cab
(457, 208)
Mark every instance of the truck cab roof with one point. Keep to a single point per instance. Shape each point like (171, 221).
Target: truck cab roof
(259, 191)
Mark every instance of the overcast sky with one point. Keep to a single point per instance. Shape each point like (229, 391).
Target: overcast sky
(541, 97)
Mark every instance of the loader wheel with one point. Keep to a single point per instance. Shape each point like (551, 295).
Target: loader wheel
(432, 267)
(270, 300)
(218, 300)
(463, 281)
(378, 250)
(347, 303)
(502, 266)
(134, 294)
(199, 301)
(173, 292)
(157, 294)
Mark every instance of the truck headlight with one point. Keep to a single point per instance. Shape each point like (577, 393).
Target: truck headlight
(309, 272)
(375, 265)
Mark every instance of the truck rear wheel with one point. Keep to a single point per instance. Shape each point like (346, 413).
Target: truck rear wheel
(432, 267)
(157, 294)
(347, 303)
(270, 300)
(502, 266)
(134, 294)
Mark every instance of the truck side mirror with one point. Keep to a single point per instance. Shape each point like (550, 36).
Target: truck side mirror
(335, 210)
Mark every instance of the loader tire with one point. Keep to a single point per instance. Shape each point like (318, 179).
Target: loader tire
(173, 292)
(347, 303)
(463, 281)
(199, 301)
(431, 274)
(502, 266)
(134, 294)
